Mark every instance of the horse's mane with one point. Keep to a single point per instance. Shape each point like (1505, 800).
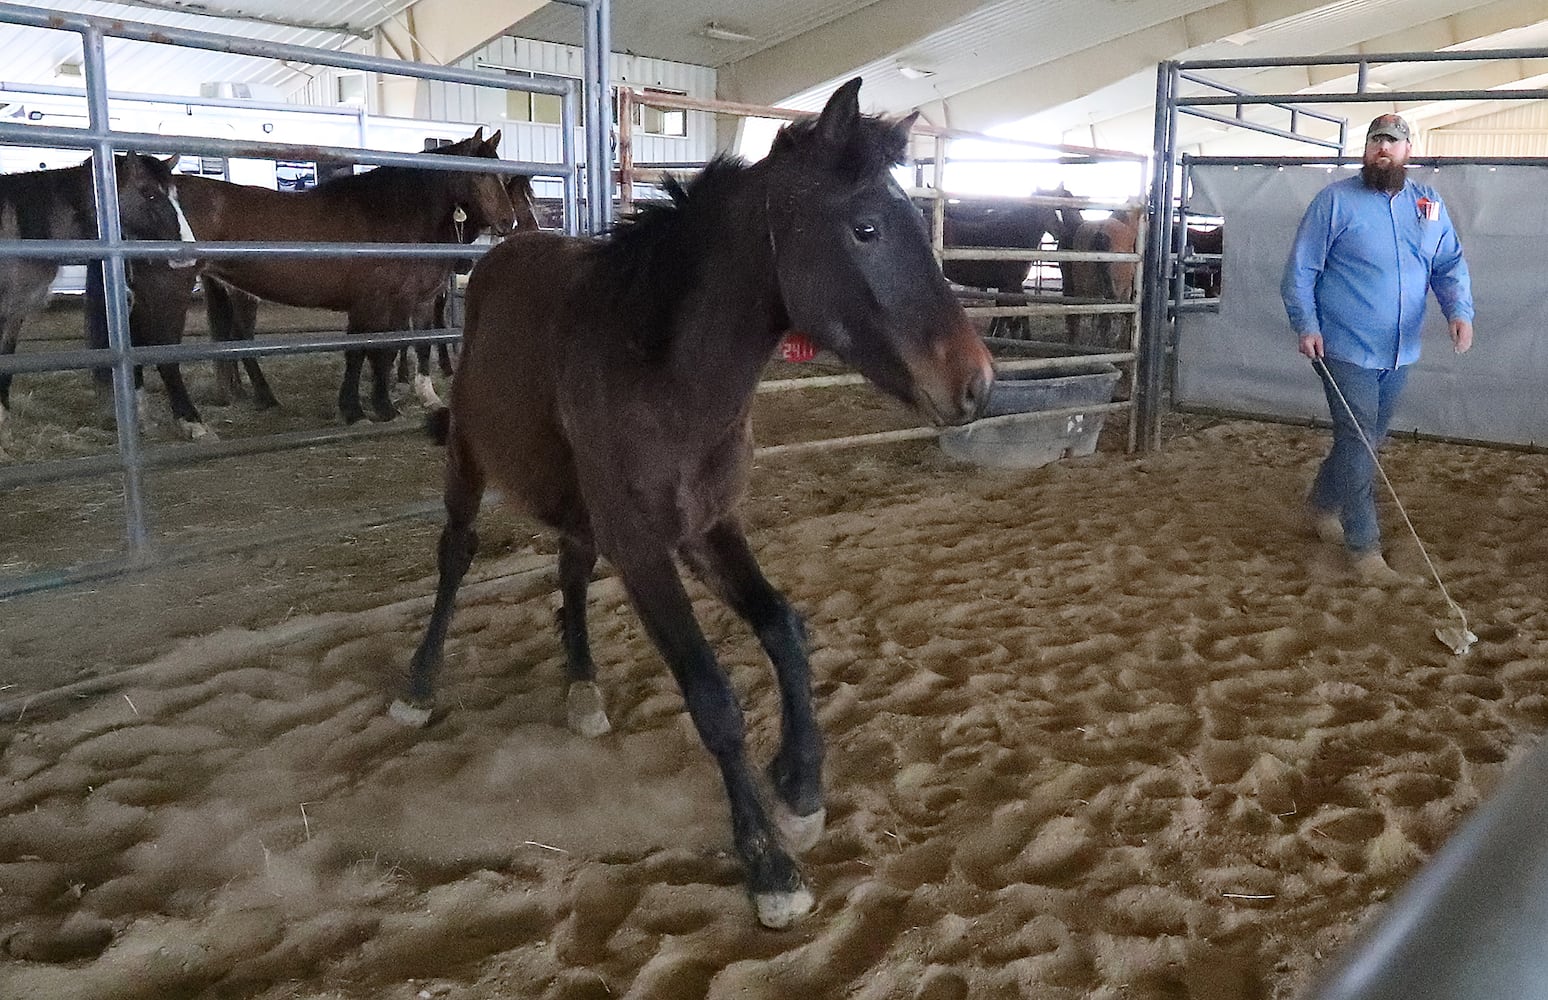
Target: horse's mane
(399, 192)
(35, 195)
(650, 259)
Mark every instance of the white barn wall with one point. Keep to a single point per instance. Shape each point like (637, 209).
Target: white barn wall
(528, 141)
(1517, 131)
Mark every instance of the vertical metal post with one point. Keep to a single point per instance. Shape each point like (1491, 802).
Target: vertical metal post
(568, 115)
(1148, 381)
(599, 113)
(938, 207)
(115, 292)
(625, 149)
(1179, 280)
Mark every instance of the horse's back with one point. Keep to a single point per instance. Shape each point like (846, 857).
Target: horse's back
(504, 396)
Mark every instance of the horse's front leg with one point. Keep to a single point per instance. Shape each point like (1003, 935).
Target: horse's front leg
(349, 389)
(585, 713)
(189, 422)
(779, 895)
(381, 384)
(725, 562)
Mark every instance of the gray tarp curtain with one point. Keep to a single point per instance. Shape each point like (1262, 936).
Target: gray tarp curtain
(1244, 358)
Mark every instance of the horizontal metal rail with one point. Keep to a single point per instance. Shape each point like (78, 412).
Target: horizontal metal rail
(55, 136)
(212, 250)
(1017, 253)
(1371, 97)
(1054, 309)
(258, 347)
(1375, 59)
(163, 34)
(170, 456)
(1279, 133)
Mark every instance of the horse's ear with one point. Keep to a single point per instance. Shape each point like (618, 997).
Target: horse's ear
(171, 162)
(838, 118)
(897, 138)
(478, 134)
(492, 144)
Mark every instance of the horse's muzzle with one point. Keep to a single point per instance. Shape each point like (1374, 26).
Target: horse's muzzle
(954, 379)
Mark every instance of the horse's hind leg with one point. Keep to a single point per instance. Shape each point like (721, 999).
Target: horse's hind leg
(656, 591)
(424, 389)
(349, 389)
(725, 562)
(454, 553)
(584, 710)
(381, 388)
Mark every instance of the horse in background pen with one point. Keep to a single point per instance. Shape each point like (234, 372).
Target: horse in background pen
(384, 205)
(61, 205)
(1103, 281)
(233, 316)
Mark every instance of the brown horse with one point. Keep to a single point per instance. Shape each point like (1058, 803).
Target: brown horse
(606, 387)
(233, 315)
(61, 205)
(1107, 281)
(995, 225)
(385, 205)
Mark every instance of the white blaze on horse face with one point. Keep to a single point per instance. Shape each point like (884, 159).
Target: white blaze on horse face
(185, 232)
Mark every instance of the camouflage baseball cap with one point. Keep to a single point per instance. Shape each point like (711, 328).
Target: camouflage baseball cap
(1391, 126)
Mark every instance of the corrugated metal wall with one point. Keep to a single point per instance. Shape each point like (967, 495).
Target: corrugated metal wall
(526, 141)
(1517, 131)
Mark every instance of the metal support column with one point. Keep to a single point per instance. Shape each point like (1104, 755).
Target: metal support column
(599, 113)
(104, 175)
(1153, 347)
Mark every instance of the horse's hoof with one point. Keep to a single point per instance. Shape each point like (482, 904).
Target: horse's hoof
(778, 910)
(381, 416)
(196, 431)
(410, 715)
(424, 391)
(265, 402)
(800, 833)
(352, 416)
(584, 712)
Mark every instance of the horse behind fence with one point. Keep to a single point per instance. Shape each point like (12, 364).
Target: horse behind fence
(61, 205)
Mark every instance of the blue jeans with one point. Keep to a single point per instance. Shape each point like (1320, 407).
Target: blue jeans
(1346, 480)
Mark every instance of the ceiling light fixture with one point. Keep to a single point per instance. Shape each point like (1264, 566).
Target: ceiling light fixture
(723, 34)
(914, 72)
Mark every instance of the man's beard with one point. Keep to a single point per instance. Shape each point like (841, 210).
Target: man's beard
(1387, 178)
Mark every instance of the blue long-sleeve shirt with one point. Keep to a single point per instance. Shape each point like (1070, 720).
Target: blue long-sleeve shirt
(1361, 266)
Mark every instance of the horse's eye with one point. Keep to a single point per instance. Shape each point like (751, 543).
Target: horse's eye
(865, 232)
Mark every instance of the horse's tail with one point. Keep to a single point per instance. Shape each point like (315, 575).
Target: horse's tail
(438, 424)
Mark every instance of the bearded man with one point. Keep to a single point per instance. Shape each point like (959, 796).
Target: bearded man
(1368, 250)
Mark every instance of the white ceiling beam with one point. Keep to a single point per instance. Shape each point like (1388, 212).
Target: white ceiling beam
(441, 32)
(836, 48)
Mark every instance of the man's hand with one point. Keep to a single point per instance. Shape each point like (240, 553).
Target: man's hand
(1461, 335)
(1311, 345)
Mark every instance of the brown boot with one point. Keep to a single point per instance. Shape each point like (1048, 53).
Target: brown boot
(1371, 568)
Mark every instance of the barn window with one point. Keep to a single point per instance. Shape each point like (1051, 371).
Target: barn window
(539, 109)
(661, 121)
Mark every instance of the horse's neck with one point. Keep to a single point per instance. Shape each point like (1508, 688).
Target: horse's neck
(731, 318)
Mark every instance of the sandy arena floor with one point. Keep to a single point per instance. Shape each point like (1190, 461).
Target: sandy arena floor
(1113, 728)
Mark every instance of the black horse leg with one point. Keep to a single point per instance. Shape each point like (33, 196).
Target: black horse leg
(459, 543)
(183, 409)
(349, 391)
(657, 593)
(244, 326)
(585, 713)
(220, 311)
(381, 387)
(443, 351)
(725, 562)
(404, 375)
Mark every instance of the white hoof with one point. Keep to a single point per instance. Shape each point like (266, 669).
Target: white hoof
(196, 431)
(584, 713)
(409, 715)
(424, 389)
(778, 910)
(800, 833)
